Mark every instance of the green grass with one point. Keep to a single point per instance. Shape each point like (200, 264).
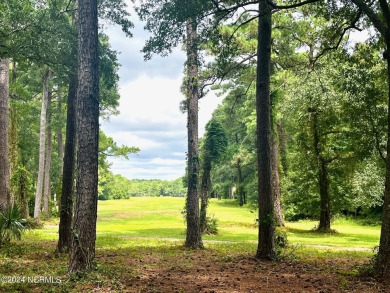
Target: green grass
(125, 222)
(154, 228)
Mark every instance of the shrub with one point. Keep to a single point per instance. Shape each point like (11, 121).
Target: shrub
(11, 225)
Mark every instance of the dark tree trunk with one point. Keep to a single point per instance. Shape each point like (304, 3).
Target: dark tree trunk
(323, 180)
(205, 192)
(193, 234)
(66, 204)
(240, 189)
(278, 208)
(266, 245)
(382, 266)
(84, 228)
(5, 194)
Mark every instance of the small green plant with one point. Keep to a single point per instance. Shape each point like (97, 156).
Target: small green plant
(211, 225)
(11, 225)
(367, 269)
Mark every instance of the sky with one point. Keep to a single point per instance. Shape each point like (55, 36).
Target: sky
(150, 117)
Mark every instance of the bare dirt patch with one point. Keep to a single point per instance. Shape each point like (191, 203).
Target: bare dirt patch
(210, 271)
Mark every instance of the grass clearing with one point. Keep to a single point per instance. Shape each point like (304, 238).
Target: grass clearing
(140, 241)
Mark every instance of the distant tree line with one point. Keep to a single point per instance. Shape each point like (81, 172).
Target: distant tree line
(118, 187)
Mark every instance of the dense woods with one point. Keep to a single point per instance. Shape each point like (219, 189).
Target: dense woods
(302, 131)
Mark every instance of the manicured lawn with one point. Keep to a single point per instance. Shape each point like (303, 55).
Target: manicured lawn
(121, 221)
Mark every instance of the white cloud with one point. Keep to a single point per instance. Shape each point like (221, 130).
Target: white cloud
(150, 117)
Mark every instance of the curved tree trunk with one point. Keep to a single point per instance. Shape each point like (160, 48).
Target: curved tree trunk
(5, 194)
(82, 251)
(42, 147)
(266, 244)
(193, 234)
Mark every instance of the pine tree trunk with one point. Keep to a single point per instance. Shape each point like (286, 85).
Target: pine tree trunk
(266, 244)
(46, 182)
(382, 265)
(193, 234)
(66, 204)
(5, 193)
(82, 251)
(68, 170)
(278, 208)
(42, 134)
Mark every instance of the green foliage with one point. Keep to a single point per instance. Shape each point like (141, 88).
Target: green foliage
(118, 187)
(211, 226)
(11, 225)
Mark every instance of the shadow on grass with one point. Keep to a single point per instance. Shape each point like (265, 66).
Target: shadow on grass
(226, 203)
(313, 233)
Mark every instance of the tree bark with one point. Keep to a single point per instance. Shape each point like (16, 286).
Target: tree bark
(42, 134)
(278, 208)
(46, 182)
(67, 191)
(382, 265)
(5, 194)
(266, 244)
(323, 180)
(193, 234)
(82, 251)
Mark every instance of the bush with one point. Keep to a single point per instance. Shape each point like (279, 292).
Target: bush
(211, 225)
(11, 225)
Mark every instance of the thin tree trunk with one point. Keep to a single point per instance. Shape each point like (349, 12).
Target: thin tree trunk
(66, 204)
(82, 251)
(266, 243)
(278, 208)
(42, 132)
(5, 194)
(46, 182)
(323, 180)
(382, 265)
(60, 142)
(67, 190)
(240, 188)
(205, 192)
(193, 234)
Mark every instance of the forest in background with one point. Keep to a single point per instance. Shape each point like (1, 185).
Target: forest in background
(307, 107)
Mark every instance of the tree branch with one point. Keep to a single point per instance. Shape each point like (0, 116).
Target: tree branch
(274, 6)
(376, 21)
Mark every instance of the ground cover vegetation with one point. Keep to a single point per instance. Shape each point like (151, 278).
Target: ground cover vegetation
(302, 134)
(139, 249)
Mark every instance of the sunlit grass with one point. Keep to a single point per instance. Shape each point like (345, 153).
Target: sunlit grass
(124, 223)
